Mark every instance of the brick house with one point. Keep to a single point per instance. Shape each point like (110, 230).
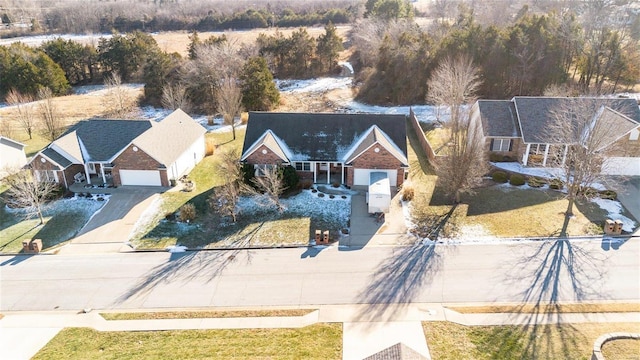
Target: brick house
(123, 152)
(517, 130)
(329, 148)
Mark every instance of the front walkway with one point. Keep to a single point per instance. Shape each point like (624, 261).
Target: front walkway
(23, 334)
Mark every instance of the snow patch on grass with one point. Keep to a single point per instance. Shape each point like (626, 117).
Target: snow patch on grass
(614, 210)
(176, 249)
(148, 217)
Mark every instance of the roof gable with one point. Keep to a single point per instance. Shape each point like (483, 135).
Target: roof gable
(270, 140)
(169, 138)
(374, 136)
(322, 136)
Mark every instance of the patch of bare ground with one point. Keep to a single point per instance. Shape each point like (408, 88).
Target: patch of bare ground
(326, 101)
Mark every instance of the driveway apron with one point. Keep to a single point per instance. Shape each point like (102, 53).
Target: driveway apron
(109, 228)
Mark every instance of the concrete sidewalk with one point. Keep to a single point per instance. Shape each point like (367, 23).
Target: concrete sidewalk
(368, 329)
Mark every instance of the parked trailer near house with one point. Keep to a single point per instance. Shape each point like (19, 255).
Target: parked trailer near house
(379, 194)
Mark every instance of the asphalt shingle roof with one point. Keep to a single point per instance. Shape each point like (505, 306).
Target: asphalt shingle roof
(170, 137)
(322, 136)
(499, 118)
(536, 113)
(102, 139)
(56, 157)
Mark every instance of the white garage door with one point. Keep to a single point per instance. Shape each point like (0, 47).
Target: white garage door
(361, 176)
(140, 177)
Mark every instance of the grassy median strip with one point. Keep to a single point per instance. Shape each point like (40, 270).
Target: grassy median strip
(319, 341)
(548, 309)
(156, 315)
(556, 341)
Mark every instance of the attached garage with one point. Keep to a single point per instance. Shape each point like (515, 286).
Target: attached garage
(361, 176)
(140, 177)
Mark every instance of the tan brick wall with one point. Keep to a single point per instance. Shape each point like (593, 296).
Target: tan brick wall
(259, 158)
(517, 149)
(136, 160)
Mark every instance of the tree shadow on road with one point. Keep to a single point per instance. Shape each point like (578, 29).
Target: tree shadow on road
(399, 280)
(563, 272)
(185, 266)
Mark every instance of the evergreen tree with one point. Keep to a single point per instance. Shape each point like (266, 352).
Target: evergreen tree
(329, 46)
(259, 92)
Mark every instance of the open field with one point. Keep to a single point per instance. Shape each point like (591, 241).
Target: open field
(557, 341)
(320, 341)
(178, 41)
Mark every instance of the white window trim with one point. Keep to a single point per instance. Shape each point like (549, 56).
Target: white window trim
(501, 145)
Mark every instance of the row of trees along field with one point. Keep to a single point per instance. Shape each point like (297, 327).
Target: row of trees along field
(218, 76)
(60, 16)
(530, 55)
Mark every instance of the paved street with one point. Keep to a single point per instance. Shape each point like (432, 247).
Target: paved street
(521, 272)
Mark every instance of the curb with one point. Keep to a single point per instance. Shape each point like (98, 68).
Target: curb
(597, 346)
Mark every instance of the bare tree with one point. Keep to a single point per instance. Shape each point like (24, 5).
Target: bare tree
(52, 125)
(117, 101)
(28, 193)
(229, 100)
(224, 199)
(175, 97)
(25, 114)
(270, 182)
(584, 130)
(5, 127)
(454, 84)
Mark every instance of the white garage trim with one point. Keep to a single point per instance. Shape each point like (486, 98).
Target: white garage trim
(140, 177)
(626, 166)
(361, 176)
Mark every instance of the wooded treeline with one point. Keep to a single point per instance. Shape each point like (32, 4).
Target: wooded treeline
(165, 15)
(579, 51)
(197, 79)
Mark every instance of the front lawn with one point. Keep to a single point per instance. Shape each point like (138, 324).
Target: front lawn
(258, 224)
(556, 341)
(63, 220)
(319, 341)
(499, 210)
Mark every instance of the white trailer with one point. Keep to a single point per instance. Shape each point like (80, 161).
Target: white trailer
(379, 194)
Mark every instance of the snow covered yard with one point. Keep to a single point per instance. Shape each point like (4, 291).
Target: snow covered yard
(63, 220)
(259, 223)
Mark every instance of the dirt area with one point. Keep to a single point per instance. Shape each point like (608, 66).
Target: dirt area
(326, 101)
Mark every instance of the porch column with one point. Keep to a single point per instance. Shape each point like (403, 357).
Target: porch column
(104, 178)
(328, 173)
(86, 172)
(546, 154)
(525, 158)
(564, 156)
(342, 173)
(315, 176)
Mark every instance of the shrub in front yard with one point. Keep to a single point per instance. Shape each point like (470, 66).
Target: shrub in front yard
(407, 192)
(306, 184)
(556, 184)
(608, 194)
(500, 177)
(536, 182)
(248, 173)
(516, 180)
(320, 195)
(588, 192)
(290, 177)
(210, 147)
(187, 212)
(495, 157)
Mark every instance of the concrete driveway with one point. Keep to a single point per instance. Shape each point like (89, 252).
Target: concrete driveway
(110, 228)
(628, 189)
(366, 231)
